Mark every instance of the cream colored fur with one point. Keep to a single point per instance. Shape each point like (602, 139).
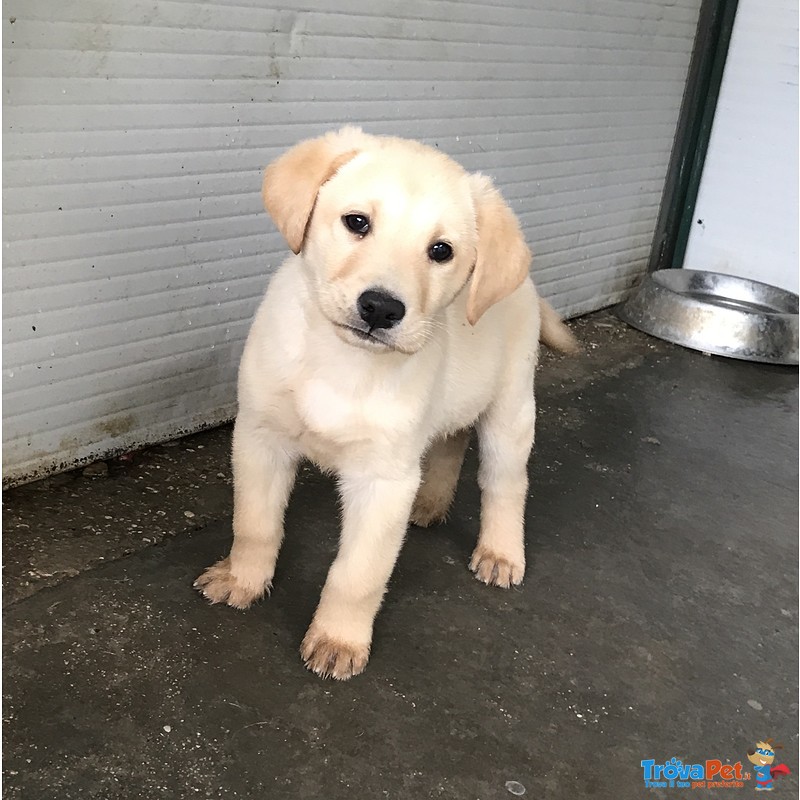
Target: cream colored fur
(388, 414)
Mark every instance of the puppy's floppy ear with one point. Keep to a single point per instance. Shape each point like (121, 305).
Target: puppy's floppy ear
(503, 257)
(292, 181)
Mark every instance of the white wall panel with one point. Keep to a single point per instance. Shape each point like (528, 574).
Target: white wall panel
(135, 246)
(745, 220)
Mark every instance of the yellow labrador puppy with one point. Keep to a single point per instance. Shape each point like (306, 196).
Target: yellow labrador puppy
(405, 317)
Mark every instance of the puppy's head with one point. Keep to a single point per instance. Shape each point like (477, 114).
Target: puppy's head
(391, 231)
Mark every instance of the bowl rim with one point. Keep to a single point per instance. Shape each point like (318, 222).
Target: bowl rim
(652, 301)
(691, 297)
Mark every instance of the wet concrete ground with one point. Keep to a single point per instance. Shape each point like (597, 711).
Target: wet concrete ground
(658, 617)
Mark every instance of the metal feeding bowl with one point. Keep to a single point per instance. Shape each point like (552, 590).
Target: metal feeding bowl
(715, 313)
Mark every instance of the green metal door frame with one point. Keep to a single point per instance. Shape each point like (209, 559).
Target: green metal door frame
(692, 135)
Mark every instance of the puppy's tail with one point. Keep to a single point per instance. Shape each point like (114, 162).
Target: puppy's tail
(554, 333)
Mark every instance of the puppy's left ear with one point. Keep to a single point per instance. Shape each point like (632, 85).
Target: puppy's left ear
(503, 258)
(291, 183)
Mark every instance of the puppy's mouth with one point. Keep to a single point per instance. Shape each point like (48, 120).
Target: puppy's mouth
(371, 338)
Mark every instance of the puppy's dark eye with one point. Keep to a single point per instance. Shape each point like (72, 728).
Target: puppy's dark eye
(440, 252)
(357, 223)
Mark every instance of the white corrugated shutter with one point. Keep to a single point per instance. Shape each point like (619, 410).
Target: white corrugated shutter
(135, 244)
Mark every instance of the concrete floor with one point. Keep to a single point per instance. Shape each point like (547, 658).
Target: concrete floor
(659, 616)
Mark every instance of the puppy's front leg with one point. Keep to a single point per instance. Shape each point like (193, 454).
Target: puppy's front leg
(505, 434)
(263, 476)
(375, 518)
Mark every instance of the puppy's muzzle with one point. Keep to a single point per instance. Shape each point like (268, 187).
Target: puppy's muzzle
(380, 309)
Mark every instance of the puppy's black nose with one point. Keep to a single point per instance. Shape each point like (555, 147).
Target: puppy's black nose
(380, 310)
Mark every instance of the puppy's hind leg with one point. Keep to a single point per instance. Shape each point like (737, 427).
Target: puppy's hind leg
(441, 468)
(263, 476)
(505, 434)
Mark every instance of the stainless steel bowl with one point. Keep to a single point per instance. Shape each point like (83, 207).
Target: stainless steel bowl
(715, 313)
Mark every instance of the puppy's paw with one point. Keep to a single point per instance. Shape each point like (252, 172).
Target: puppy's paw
(332, 658)
(429, 511)
(219, 585)
(496, 570)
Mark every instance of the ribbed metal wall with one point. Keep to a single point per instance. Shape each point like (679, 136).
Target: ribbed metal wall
(135, 244)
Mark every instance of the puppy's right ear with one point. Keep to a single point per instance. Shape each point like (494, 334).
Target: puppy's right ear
(291, 183)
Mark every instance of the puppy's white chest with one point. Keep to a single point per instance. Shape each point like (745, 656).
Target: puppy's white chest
(340, 413)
